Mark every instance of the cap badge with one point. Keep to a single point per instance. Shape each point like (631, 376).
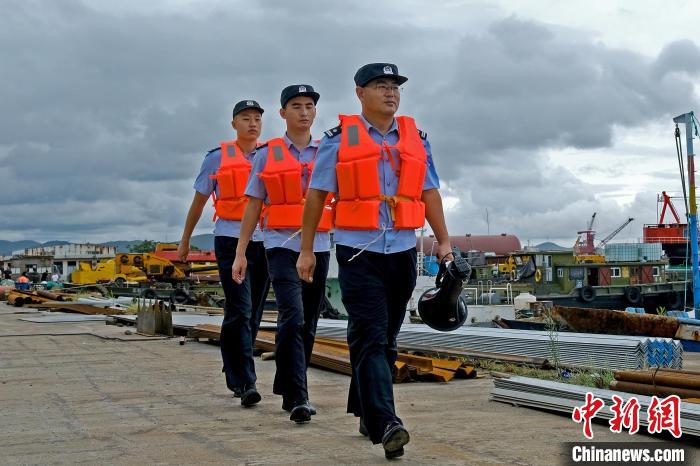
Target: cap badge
(302, 88)
(388, 70)
(250, 103)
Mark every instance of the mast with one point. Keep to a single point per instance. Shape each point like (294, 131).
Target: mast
(687, 119)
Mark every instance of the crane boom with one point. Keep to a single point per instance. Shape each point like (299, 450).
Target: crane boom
(590, 224)
(614, 233)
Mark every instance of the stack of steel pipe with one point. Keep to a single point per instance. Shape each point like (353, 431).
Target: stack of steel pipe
(561, 397)
(660, 382)
(574, 349)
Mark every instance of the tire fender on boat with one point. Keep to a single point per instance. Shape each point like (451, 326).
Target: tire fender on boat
(633, 295)
(587, 293)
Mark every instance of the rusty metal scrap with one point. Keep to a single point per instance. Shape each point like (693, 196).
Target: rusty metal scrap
(615, 322)
(664, 382)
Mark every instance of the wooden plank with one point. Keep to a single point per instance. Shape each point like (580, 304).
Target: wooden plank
(419, 362)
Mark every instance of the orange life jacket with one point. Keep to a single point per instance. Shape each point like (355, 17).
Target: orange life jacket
(232, 178)
(282, 176)
(359, 190)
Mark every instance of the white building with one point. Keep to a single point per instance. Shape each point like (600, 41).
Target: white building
(65, 257)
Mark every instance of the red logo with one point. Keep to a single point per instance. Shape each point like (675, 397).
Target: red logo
(587, 412)
(626, 415)
(665, 415)
(662, 414)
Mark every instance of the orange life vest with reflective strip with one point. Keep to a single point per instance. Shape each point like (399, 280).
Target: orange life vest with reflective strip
(359, 190)
(232, 178)
(282, 177)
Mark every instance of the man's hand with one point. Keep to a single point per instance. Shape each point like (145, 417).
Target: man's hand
(182, 250)
(444, 251)
(239, 268)
(306, 265)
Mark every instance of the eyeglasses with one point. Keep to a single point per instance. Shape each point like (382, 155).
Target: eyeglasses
(385, 88)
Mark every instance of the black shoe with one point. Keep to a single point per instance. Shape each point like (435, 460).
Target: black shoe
(250, 396)
(236, 392)
(301, 413)
(394, 438)
(288, 406)
(363, 428)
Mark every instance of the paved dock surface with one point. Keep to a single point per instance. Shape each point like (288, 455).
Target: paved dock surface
(85, 392)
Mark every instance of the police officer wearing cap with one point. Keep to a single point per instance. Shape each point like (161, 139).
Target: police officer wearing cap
(277, 188)
(223, 176)
(382, 170)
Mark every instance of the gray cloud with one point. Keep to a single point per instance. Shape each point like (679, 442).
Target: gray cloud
(107, 114)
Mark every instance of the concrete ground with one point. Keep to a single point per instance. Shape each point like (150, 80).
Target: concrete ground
(88, 393)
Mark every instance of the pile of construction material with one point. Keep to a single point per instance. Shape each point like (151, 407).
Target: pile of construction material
(561, 397)
(334, 355)
(19, 298)
(573, 349)
(660, 382)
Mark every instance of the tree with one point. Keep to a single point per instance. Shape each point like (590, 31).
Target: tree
(144, 246)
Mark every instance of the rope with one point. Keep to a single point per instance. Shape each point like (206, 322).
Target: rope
(366, 245)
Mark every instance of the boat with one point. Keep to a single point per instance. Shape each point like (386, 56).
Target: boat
(621, 280)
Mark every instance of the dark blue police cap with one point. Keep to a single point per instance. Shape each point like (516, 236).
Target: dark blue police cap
(245, 105)
(378, 70)
(295, 90)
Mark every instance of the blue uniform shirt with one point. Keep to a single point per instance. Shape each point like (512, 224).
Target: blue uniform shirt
(324, 179)
(205, 185)
(289, 239)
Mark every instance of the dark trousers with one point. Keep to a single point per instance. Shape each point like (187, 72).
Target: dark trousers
(298, 308)
(375, 289)
(242, 310)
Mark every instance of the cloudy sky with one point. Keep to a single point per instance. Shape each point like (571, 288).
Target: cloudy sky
(542, 112)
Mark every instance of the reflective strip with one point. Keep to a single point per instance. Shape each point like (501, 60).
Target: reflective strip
(353, 135)
(277, 153)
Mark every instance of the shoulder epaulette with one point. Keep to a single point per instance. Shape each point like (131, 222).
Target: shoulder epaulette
(213, 150)
(422, 134)
(333, 131)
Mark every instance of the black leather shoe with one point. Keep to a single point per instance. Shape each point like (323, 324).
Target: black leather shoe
(312, 408)
(236, 392)
(250, 396)
(363, 428)
(289, 406)
(394, 438)
(301, 413)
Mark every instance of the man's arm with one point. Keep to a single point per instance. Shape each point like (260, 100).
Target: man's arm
(436, 218)
(193, 216)
(251, 216)
(313, 209)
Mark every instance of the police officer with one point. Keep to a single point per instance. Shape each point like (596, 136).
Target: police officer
(277, 188)
(223, 176)
(381, 167)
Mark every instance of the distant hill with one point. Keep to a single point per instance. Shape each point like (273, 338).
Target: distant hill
(549, 246)
(203, 242)
(6, 247)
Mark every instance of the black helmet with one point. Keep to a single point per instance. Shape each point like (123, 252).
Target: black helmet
(443, 307)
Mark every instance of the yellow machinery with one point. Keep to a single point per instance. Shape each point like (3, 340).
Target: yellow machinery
(104, 272)
(135, 267)
(154, 267)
